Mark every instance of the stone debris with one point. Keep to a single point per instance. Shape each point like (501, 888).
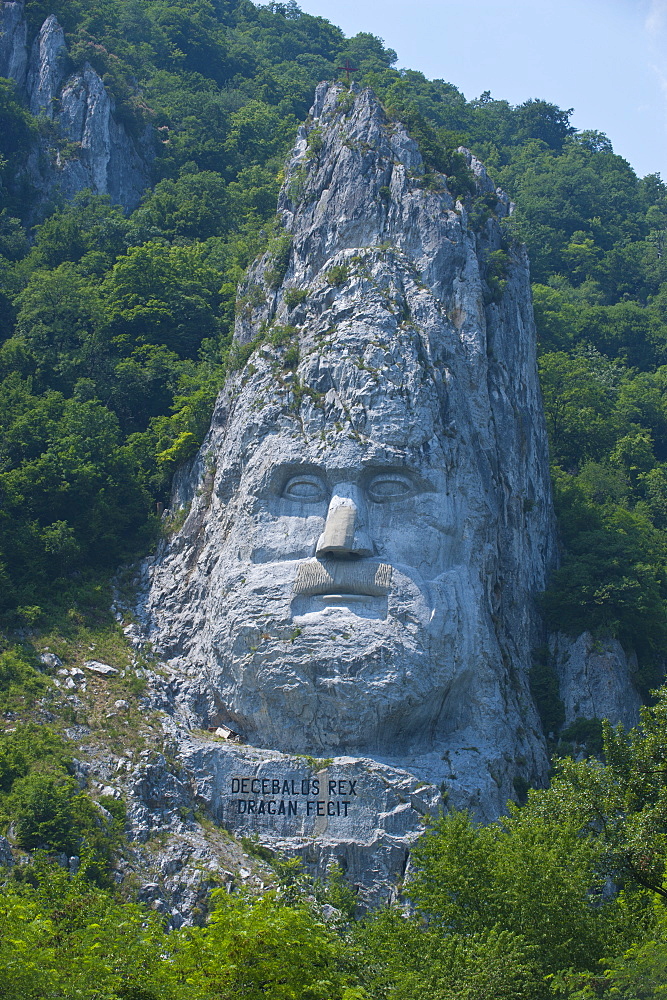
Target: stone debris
(50, 660)
(103, 669)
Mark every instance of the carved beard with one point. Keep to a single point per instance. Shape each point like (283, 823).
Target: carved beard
(335, 680)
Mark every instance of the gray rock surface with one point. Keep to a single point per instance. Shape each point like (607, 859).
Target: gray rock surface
(354, 812)
(594, 679)
(93, 150)
(47, 68)
(171, 861)
(108, 161)
(96, 667)
(369, 517)
(13, 43)
(50, 661)
(6, 857)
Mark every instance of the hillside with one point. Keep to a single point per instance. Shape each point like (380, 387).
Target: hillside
(121, 254)
(117, 327)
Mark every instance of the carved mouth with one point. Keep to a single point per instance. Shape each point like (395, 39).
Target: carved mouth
(335, 578)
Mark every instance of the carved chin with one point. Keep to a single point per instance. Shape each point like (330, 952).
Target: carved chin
(337, 670)
(317, 696)
(351, 712)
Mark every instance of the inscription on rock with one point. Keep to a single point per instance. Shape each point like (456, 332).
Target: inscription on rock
(293, 796)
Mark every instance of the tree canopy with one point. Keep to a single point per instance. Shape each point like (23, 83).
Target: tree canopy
(115, 338)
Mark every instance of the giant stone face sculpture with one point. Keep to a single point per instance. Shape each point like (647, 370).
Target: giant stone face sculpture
(369, 517)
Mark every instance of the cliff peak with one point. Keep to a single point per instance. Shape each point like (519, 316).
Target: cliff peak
(89, 147)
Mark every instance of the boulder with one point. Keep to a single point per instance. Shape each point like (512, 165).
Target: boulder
(102, 669)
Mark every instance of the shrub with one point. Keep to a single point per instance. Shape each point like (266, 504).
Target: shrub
(19, 681)
(27, 745)
(279, 261)
(315, 142)
(586, 731)
(291, 356)
(294, 297)
(338, 274)
(544, 689)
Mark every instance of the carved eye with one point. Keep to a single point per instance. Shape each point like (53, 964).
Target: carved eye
(390, 487)
(304, 489)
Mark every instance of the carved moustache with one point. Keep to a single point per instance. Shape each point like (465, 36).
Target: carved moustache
(327, 576)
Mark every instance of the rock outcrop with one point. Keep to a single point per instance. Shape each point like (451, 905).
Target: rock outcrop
(369, 519)
(89, 148)
(354, 812)
(13, 43)
(6, 856)
(594, 679)
(47, 68)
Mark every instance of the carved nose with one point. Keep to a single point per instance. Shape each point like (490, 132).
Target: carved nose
(344, 534)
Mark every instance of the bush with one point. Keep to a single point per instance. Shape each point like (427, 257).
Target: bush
(26, 746)
(338, 274)
(294, 297)
(544, 689)
(586, 731)
(279, 261)
(44, 804)
(19, 681)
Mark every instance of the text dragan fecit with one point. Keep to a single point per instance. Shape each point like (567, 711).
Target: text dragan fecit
(294, 796)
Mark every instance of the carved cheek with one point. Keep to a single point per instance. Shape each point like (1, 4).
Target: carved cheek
(414, 534)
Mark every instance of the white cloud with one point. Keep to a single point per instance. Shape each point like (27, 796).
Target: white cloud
(656, 19)
(656, 28)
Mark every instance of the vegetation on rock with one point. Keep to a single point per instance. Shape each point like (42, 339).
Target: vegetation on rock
(116, 331)
(564, 898)
(115, 337)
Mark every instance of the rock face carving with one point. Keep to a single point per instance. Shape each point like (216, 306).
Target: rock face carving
(102, 156)
(369, 518)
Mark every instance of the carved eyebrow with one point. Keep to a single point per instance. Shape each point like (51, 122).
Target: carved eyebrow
(418, 481)
(389, 486)
(276, 478)
(305, 487)
(278, 475)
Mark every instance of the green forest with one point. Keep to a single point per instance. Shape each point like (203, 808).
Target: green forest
(564, 897)
(115, 338)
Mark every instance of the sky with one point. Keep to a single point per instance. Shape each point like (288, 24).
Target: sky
(607, 59)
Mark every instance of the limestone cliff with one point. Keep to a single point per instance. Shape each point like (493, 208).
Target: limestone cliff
(369, 519)
(88, 147)
(13, 43)
(595, 679)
